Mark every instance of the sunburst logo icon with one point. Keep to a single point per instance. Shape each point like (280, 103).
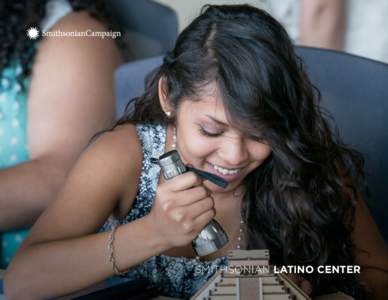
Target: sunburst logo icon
(33, 33)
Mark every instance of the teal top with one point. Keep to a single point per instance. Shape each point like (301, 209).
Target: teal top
(13, 141)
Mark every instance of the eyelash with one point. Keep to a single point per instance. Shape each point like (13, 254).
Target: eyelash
(209, 134)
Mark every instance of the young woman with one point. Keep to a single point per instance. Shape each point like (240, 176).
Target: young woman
(234, 100)
(55, 93)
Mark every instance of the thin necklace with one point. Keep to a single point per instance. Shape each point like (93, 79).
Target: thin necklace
(240, 234)
(241, 230)
(173, 146)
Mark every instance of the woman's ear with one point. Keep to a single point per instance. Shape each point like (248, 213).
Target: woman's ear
(162, 93)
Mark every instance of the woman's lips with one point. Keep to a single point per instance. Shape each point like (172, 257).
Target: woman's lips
(227, 177)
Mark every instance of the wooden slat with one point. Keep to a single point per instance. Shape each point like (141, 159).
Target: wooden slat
(249, 254)
(272, 288)
(225, 289)
(249, 289)
(221, 297)
(204, 292)
(249, 262)
(278, 297)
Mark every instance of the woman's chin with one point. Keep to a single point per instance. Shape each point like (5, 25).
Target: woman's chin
(217, 189)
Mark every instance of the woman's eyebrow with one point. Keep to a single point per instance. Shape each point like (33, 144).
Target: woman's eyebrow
(217, 121)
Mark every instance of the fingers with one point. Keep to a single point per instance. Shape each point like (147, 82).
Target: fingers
(202, 220)
(183, 182)
(199, 207)
(185, 191)
(183, 207)
(187, 215)
(171, 200)
(192, 195)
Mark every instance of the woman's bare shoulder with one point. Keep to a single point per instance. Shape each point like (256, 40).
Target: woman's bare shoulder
(118, 153)
(106, 170)
(113, 158)
(120, 147)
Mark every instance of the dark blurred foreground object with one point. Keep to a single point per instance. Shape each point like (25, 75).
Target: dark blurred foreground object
(354, 91)
(150, 27)
(120, 289)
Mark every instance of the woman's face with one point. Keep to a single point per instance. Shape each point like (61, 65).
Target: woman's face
(206, 140)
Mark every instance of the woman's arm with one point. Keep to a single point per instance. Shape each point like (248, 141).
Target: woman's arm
(370, 252)
(63, 246)
(71, 97)
(322, 23)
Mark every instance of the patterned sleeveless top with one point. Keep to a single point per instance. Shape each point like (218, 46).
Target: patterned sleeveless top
(174, 276)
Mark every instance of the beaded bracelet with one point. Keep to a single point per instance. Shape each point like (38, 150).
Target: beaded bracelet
(111, 255)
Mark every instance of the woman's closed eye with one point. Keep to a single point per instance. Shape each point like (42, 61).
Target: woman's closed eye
(215, 133)
(209, 133)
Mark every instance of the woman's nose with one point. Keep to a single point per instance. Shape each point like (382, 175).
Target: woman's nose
(233, 152)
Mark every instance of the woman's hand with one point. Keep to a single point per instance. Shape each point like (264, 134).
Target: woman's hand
(304, 284)
(182, 208)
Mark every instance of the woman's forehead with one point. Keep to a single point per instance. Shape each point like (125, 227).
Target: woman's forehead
(207, 105)
(207, 96)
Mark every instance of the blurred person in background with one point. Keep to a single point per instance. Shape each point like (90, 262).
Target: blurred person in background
(55, 93)
(353, 26)
(322, 24)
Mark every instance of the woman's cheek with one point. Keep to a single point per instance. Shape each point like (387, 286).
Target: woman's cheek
(201, 146)
(259, 152)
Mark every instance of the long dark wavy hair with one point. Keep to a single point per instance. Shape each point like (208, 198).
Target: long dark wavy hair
(16, 16)
(298, 201)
